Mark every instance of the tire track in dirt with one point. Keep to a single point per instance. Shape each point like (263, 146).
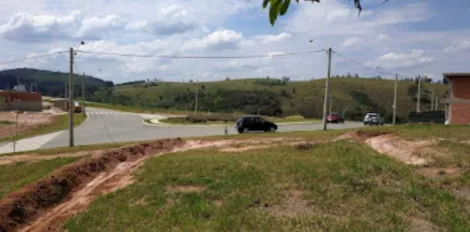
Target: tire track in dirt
(71, 188)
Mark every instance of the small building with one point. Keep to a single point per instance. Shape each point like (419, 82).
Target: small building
(10, 100)
(458, 102)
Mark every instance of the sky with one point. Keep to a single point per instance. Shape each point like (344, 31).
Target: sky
(414, 37)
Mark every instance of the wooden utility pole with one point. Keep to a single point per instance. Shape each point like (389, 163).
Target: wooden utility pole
(327, 92)
(70, 100)
(418, 96)
(83, 94)
(196, 99)
(395, 95)
(432, 101)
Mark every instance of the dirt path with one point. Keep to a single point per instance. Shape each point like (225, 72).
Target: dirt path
(43, 205)
(38, 207)
(416, 153)
(26, 121)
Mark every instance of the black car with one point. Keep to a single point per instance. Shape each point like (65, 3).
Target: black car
(254, 123)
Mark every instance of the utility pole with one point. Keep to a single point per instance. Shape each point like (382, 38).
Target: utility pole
(65, 90)
(395, 95)
(83, 94)
(330, 103)
(327, 91)
(196, 99)
(418, 96)
(432, 101)
(436, 104)
(71, 105)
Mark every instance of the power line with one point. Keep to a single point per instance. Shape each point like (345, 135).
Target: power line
(32, 57)
(202, 57)
(364, 66)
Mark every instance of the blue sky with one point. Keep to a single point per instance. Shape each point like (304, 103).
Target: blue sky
(419, 37)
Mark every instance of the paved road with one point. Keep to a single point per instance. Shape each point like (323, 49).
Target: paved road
(107, 126)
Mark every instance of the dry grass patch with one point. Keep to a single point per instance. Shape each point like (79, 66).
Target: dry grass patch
(185, 189)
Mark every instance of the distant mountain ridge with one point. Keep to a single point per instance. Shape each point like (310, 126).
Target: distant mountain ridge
(49, 83)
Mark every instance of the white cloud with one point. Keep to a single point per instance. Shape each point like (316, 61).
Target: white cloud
(338, 14)
(351, 42)
(458, 46)
(404, 60)
(169, 20)
(218, 40)
(337, 17)
(382, 37)
(24, 27)
(274, 38)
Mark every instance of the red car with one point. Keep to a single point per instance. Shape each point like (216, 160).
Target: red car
(334, 118)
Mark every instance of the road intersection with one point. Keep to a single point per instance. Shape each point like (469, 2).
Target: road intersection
(109, 126)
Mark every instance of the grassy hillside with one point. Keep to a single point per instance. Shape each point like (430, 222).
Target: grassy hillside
(49, 83)
(351, 96)
(339, 186)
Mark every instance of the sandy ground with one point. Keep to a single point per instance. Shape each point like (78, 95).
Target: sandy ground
(26, 121)
(416, 153)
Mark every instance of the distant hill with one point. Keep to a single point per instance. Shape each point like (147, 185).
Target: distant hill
(49, 83)
(352, 96)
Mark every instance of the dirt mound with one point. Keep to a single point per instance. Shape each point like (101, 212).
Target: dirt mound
(360, 135)
(416, 153)
(21, 207)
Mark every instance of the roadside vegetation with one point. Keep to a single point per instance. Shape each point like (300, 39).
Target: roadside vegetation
(257, 182)
(59, 123)
(351, 95)
(340, 186)
(15, 176)
(230, 118)
(136, 108)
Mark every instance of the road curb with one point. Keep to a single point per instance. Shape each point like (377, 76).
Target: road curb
(179, 125)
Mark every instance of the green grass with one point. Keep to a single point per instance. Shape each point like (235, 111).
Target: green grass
(5, 123)
(427, 131)
(290, 119)
(302, 94)
(334, 187)
(15, 176)
(60, 123)
(136, 109)
(53, 151)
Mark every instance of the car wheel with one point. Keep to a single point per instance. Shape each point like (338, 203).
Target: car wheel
(245, 130)
(240, 131)
(272, 129)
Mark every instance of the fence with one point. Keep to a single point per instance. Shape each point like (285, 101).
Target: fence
(438, 117)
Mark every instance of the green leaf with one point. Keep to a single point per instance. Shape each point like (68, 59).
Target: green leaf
(285, 7)
(265, 3)
(274, 11)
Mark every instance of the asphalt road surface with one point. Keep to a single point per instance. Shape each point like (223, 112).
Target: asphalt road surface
(107, 126)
